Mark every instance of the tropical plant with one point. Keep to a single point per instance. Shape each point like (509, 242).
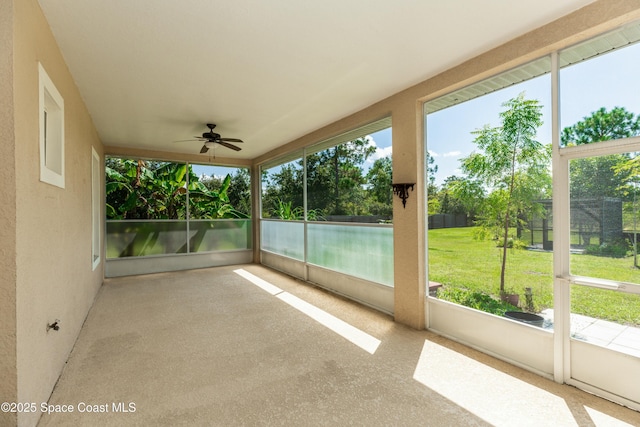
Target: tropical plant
(285, 211)
(139, 189)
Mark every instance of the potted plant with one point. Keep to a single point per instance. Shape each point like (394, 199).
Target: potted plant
(526, 316)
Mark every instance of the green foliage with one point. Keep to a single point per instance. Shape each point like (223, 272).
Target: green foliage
(602, 176)
(602, 125)
(512, 243)
(519, 244)
(512, 163)
(481, 233)
(335, 178)
(475, 299)
(457, 260)
(616, 249)
(285, 211)
(336, 183)
(380, 178)
(462, 195)
(283, 185)
(139, 189)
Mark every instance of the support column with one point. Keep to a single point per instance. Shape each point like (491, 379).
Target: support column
(256, 190)
(409, 220)
(8, 340)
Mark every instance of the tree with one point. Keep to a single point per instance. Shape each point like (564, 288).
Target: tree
(433, 200)
(602, 125)
(507, 153)
(432, 168)
(336, 183)
(630, 172)
(380, 178)
(596, 177)
(284, 185)
(240, 191)
(335, 178)
(461, 195)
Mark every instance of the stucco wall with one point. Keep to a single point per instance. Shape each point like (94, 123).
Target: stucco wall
(8, 374)
(55, 279)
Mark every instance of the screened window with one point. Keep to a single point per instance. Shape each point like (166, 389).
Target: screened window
(599, 87)
(489, 179)
(331, 206)
(282, 190)
(219, 192)
(349, 177)
(159, 208)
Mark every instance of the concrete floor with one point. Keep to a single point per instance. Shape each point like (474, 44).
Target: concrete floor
(245, 345)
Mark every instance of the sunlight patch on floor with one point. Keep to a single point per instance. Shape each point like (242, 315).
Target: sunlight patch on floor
(604, 420)
(492, 395)
(356, 336)
(262, 284)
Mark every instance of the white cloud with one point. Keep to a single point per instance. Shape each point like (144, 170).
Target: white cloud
(433, 153)
(382, 152)
(379, 153)
(452, 154)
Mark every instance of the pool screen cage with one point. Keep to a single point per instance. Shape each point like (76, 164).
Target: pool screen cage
(593, 222)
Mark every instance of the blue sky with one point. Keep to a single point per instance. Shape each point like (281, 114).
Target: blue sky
(606, 81)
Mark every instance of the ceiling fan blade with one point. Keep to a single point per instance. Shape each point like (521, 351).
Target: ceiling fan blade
(233, 147)
(187, 140)
(231, 140)
(204, 149)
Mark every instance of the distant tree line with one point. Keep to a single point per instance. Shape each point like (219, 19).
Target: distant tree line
(337, 184)
(477, 193)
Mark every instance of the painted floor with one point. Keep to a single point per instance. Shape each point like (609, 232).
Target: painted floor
(248, 346)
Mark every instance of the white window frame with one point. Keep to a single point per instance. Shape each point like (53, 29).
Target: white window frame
(51, 125)
(96, 209)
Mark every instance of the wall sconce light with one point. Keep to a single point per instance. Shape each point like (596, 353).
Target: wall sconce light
(402, 190)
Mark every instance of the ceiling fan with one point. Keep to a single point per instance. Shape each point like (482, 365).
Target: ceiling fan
(210, 138)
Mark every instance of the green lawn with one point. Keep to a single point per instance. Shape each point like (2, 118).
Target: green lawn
(457, 260)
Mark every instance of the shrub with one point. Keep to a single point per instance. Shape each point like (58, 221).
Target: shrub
(474, 299)
(615, 249)
(513, 243)
(481, 233)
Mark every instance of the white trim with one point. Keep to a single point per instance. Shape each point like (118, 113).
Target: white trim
(526, 346)
(96, 209)
(117, 267)
(51, 130)
(601, 148)
(612, 285)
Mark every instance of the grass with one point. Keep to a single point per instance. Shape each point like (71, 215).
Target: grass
(457, 260)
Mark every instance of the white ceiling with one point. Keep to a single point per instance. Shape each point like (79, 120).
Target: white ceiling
(155, 71)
